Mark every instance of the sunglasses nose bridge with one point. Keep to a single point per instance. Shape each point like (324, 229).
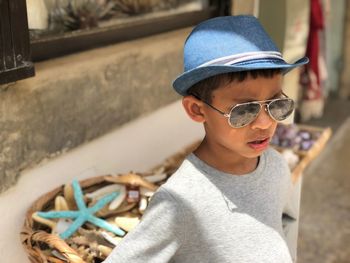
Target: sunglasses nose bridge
(263, 119)
(265, 105)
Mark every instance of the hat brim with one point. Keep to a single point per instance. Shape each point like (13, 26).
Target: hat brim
(186, 80)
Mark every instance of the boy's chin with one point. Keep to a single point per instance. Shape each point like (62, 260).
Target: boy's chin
(253, 153)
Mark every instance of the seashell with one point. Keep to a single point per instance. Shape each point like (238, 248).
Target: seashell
(125, 206)
(81, 240)
(127, 223)
(155, 177)
(146, 192)
(92, 254)
(134, 212)
(291, 158)
(105, 190)
(62, 225)
(105, 251)
(59, 255)
(143, 204)
(84, 252)
(112, 240)
(44, 221)
(131, 179)
(127, 214)
(61, 203)
(56, 227)
(159, 170)
(68, 194)
(119, 199)
(104, 212)
(88, 253)
(91, 238)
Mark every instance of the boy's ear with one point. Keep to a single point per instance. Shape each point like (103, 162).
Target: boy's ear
(193, 108)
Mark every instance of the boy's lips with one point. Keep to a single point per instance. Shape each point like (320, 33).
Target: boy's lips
(259, 143)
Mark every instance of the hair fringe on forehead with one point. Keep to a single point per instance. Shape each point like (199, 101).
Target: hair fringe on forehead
(205, 88)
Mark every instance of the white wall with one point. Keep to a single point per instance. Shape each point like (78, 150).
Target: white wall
(138, 146)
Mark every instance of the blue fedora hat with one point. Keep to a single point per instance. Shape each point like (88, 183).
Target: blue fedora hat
(228, 44)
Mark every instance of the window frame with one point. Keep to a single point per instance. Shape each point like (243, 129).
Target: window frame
(15, 61)
(80, 40)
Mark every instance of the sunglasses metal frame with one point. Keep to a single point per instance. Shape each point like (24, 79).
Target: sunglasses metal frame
(260, 102)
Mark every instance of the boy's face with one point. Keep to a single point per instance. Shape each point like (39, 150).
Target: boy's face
(238, 141)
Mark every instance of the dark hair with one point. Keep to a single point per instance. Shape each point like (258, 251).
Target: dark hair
(205, 87)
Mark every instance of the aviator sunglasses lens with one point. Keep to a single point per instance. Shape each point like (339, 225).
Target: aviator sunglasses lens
(281, 109)
(242, 115)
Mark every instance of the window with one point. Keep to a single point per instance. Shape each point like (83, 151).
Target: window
(14, 42)
(67, 26)
(59, 27)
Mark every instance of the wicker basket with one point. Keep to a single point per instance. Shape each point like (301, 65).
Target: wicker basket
(37, 241)
(36, 238)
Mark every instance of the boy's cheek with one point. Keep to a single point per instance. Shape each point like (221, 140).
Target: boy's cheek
(274, 126)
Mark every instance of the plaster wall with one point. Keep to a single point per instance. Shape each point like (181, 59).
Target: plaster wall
(77, 98)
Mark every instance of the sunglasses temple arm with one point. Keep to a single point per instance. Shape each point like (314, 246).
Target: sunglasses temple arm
(219, 111)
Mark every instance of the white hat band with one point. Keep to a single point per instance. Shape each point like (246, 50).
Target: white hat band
(233, 59)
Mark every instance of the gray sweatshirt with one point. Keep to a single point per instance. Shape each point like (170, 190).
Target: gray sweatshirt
(204, 215)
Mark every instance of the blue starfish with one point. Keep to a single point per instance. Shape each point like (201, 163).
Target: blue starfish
(84, 213)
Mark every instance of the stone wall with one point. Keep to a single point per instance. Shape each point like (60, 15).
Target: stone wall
(77, 98)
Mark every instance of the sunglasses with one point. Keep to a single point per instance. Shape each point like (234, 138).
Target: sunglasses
(243, 114)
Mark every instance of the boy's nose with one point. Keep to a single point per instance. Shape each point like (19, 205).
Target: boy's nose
(263, 121)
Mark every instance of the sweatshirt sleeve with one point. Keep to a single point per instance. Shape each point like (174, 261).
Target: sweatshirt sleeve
(290, 217)
(157, 237)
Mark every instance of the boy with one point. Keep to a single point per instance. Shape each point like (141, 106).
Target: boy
(226, 201)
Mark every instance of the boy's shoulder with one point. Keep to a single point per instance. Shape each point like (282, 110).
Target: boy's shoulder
(189, 173)
(186, 181)
(274, 154)
(189, 179)
(277, 166)
(184, 177)
(276, 158)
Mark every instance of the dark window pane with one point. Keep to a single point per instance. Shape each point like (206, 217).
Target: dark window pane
(14, 42)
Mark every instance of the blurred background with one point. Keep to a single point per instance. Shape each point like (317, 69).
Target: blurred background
(85, 90)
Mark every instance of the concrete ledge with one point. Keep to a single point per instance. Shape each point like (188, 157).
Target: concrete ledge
(77, 98)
